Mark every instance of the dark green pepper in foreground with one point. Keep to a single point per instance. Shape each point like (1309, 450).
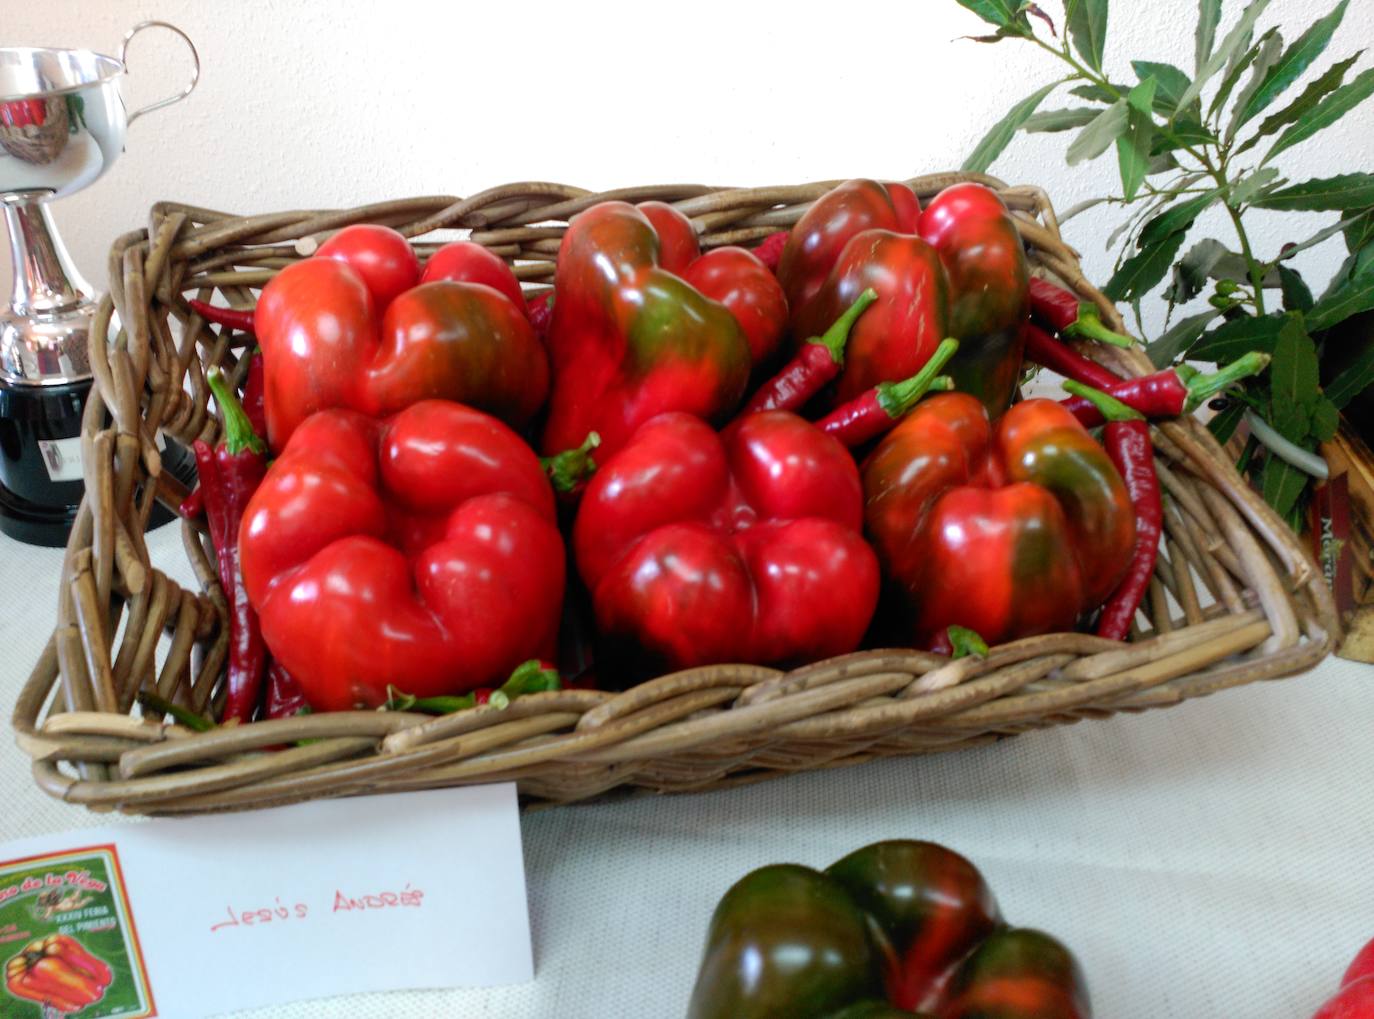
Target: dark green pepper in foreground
(893, 928)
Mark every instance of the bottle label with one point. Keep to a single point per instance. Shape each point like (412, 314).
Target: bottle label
(62, 457)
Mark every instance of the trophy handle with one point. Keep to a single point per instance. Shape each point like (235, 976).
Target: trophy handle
(195, 59)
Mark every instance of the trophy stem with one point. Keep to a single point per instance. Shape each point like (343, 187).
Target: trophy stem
(45, 280)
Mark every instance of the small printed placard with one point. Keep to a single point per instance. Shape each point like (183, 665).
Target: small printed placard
(62, 458)
(411, 890)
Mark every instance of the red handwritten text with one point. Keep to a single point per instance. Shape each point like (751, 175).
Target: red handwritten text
(272, 914)
(407, 896)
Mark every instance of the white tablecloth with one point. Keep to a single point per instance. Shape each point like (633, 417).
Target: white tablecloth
(1214, 859)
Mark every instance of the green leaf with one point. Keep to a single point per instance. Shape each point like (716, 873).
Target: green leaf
(1283, 484)
(1239, 64)
(1097, 137)
(1190, 274)
(1059, 120)
(1297, 296)
(1002, 13)
(1311, 95)
(1139, 274)
(1005, 129)
(1238, 337)
(1296, 59)
(1088, 30)
(1234, 43)
(1133, 147)
(1175, 219)
(1223, 425)
(1098, 94)
(1326, 417)
(1162, 163)
(1209, 16)
(1328, 111)
(1359, 231)
(1354, 295)
(1184, 333)
(1267, 55)
(1252, 184)
(1294, 383)
(1347, 192)
(1355, 379)
(1172, 83)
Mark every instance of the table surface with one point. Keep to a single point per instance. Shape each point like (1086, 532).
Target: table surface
(1211, 859)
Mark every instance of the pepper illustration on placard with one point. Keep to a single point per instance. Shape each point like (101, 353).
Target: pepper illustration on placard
(68, 946)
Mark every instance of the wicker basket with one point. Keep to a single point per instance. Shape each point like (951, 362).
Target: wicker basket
(1235, 598)
(39, 143)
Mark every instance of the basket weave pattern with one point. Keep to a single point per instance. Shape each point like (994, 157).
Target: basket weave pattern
(1235, 597)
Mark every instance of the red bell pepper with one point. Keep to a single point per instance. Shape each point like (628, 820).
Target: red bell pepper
(677, 238)
(897, 335)
(830, 223)
(989, 288)
(467, 262)
(770, 251)
(381, 256)
(1355, 999)
(421, 551)
(631, 340)
(737, 279)
(1010, 532)
(741, 547)
(58, 971)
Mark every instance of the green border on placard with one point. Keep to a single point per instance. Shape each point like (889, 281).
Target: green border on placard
(79, 893)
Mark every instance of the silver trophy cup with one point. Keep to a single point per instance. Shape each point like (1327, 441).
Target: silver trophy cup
(62, 125)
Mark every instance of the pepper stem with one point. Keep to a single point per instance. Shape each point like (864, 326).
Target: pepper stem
(1110, 407)
(238, 430)
(1090, 326)
(964, 642)
(837, 335)
(530, 677)
(187, 717)
(1202, 388)
(570, 468)
(896, 398)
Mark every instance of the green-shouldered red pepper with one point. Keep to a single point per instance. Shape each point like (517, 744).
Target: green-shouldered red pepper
(892, 928)
(989, 288)
(59, 972)
(1010, 530)
(629, 339)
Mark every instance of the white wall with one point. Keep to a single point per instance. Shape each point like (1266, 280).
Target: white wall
(340, 103)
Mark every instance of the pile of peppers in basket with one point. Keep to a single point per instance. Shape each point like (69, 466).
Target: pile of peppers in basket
(739, 456)
(898, 928)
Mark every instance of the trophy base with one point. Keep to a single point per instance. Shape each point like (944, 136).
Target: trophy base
(35, 524)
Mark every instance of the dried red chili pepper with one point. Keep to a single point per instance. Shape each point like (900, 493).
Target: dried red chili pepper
(284, 695)
(1063, 312)
(1045, 350)
(1171, 392)
(868, 416)
(234, 318)
(815, 365)
(1127, 441)
(229, 475)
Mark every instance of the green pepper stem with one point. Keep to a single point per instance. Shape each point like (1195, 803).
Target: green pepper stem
(530, 677)
(837, 335)
(1091, 327)
(896, 398)
(964, 642)
(187, 717)
(238, 430)
(1202, 388)
(570, 468)
(1110, 407)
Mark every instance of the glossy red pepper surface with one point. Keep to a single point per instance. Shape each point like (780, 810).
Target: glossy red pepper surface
(989, 283)
(741, 547)
(629, 339)
(893, 927)
(420, 551)
(334, 335)
(737, 279)
(466, 262)
(1010, 530)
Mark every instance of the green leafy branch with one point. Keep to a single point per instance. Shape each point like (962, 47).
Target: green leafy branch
(1186, 143)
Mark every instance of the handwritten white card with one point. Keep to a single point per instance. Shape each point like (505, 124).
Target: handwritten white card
(199, 916)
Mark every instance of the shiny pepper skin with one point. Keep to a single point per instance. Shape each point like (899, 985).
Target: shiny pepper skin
(898, 928)
(741, 547)
(420, 552)
(1011, 530)
(631, 340)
